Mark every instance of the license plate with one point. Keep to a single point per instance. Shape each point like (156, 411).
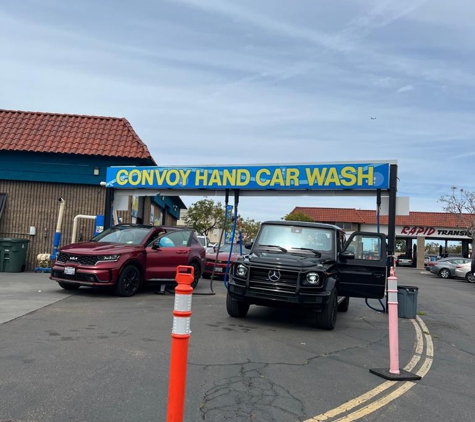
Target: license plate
(69, 270)
(218, 270)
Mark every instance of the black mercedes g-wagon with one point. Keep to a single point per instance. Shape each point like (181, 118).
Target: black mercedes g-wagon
(307, 265)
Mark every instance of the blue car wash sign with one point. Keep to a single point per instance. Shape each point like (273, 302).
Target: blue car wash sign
(362, 176)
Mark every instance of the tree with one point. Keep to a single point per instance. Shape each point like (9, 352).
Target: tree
(204, 216)
(400, 245)
(297, 216)
(461, 203)
(432, 247)
(249, 228)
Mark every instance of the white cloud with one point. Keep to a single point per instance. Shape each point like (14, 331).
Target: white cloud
(405, 88)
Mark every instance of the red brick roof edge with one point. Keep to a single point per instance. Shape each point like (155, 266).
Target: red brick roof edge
(70, 134)
(415, 218)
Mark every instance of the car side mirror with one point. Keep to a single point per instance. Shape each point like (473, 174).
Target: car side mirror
(156, 244)
(248, 246)
(347, 255)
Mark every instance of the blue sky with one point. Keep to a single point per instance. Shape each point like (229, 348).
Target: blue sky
(262, 81)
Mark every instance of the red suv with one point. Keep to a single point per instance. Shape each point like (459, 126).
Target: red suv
(127, 255)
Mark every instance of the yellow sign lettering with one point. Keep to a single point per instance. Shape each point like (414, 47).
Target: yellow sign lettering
(292, 175)
(173, 177)
(260, 181)
(277, 178)
(133, 173)
(118, 178)
(147, 177)
(160, 176)
(229, 177)
(201, 177)
(247, 177)
(316, 174)
(332, 177)
(184, 176)
(215, 178)
(369, 176)
(348, 176)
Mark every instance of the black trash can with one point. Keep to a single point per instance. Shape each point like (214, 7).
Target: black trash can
(407, 301)
(13, 255)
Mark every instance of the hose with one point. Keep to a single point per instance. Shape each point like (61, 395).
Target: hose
(383, 310)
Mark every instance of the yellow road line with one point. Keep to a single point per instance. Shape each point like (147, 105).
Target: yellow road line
(378, 404)
(383, 401)
(430, 345)
(345, 407)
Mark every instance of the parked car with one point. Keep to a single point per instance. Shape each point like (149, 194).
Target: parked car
(223, 257)
(309, 266)
(429, 260)
(404, 260)
(126, 256)
(465, 271)
(445, 267)
(204, 240)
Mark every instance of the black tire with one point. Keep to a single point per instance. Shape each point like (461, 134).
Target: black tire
(344, 305)
(470, 277)
(69, 286)
(327, 318)
(444, 273)
(128, 282)
(197, 276)
(236, 308)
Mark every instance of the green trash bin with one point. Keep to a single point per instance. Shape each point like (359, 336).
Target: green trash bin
(407, 301)
(13, 255)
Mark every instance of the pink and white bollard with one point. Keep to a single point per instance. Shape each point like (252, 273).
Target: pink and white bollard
(394, 373)
(393, 325)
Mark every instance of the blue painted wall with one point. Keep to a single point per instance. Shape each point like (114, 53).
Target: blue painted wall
(59, 168)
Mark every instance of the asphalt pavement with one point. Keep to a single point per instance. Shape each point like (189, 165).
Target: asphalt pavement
(90, 356)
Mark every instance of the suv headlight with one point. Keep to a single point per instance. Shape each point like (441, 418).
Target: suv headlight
(241, 271)
(312, 278)
(108, 258)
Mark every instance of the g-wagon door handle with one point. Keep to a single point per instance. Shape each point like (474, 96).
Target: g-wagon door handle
(181, 252)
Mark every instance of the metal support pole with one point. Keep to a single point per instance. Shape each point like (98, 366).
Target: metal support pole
(108, 208)
(378, 209)
(236, 205)
(392, 209)
(57, 234)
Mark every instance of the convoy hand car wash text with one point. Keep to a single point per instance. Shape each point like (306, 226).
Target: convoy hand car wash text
(346, 176)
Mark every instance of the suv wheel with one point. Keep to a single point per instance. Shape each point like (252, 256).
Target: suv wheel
(444, 273)
(128, 282)
(470, 277)
(327, 318)
(236, 308)
(197, 275)
(344, 305)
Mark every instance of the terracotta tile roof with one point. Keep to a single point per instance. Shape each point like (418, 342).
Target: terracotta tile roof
(331, 215)
(352, 215)
(70, 134)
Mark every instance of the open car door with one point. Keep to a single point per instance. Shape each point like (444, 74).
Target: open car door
(362, 266)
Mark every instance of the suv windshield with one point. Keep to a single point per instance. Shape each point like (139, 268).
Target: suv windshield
(295, 237)
(123, 234)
